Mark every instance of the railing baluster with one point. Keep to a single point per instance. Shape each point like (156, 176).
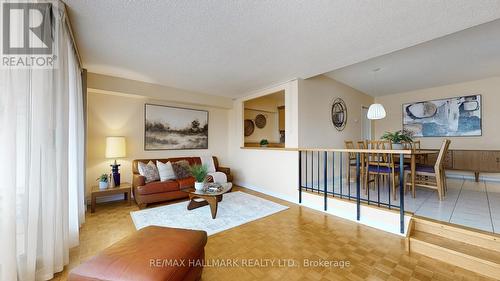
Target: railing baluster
(389, 187)
(349, 177)
(333, 174)
(341, 175)
(368, 189)
(300, 176)
(358, 199)
(312, 170)
(378, 192)
(318, 171)
(325, 175)
(401, 194)
(306, 170)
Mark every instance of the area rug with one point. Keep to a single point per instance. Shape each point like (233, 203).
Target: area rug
(235, 209)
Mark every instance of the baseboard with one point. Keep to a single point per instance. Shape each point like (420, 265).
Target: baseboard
(451, 175)
(267, 192)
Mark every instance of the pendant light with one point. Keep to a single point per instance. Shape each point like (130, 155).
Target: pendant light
(376, 111)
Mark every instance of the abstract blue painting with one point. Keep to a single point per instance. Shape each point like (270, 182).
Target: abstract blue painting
(451, 117)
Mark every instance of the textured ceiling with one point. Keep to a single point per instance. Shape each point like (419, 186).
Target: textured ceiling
(230, 48)
(467, 55)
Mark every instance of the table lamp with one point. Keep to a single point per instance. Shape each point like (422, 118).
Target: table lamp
(115, 148)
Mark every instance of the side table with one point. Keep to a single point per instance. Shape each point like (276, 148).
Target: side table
(125, 188)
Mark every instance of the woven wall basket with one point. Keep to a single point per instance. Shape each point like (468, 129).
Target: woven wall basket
(260, 121)
(249, 127)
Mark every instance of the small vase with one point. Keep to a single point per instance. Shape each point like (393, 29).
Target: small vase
(103, 185)
(199, 186)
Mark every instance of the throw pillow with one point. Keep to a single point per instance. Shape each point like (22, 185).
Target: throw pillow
(149, 171)
(166, 171)
(181, 169)
(209, 162)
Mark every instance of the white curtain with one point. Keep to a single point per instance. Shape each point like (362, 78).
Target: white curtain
(41, 162)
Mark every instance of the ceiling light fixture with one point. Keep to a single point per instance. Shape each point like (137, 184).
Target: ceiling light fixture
(376, 110)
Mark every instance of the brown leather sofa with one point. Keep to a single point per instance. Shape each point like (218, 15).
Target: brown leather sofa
(152, 192)
(153, 253)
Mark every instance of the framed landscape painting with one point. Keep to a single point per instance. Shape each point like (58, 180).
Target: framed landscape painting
(167, 127)
(451, 117)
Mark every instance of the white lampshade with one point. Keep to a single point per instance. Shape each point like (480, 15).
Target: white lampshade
(376, 111)
(115, 147)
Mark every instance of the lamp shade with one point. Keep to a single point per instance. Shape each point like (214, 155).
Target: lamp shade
(115, 147)
(376, 111)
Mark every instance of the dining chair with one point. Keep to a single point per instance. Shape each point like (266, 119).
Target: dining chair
(351, 159)
(362, 160)
(415, 146)
(429, 176)
(380, 163)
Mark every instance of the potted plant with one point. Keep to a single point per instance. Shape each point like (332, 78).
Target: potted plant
(103, 181)
(398, 137)
(199, 173)
(264, 143)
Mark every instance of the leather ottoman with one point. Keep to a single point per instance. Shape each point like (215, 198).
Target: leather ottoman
(152, 253)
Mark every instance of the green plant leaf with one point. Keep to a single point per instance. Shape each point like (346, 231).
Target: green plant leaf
(199, 172)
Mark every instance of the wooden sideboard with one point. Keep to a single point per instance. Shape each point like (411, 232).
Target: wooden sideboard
(476, 161)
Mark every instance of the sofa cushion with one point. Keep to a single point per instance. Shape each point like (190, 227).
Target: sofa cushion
(149, 171)
(186, 182)
(181, 169)
(208, 161)
(166, 171)
(158, 187)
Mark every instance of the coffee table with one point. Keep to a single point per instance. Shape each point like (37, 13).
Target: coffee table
(207, 198)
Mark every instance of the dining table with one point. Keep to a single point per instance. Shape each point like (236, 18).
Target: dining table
(413, 163)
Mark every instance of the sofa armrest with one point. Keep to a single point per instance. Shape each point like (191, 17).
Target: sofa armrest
(224, 170)
(138, 180)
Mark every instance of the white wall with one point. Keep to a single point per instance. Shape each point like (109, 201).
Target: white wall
(316, 96)
(99, 83)
(488, 88)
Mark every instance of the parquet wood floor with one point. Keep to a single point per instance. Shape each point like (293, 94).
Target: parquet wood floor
(296, 234)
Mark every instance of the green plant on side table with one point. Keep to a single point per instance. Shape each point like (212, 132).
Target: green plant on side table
(199, 173)
(398, 137)
(264, 143)
(103, 181)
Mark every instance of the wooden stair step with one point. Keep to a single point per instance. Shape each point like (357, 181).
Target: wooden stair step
(459, 246)
(467, 235)
(471, 257)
